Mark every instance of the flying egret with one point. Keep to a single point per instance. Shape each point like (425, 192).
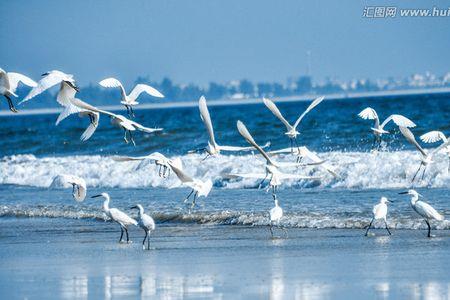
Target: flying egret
(213, 148)
(49, 80)
(66, 97)
(130, 100)
(145, 222)
(424, 209)
(160, 160)
(199, 187)
(272, 167)
(8, 85)
(78, 185)
(275, 214)
(117, 120)
(426, 157)
(291, 129)
(117, 216)
(379, 213)
(435, 136)
(302, 153)
(378, 130)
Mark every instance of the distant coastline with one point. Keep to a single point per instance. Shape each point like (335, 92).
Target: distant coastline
(249, 101)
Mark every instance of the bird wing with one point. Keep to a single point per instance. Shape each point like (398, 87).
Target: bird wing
(303, 151)
(248, 137)
(399, 120)
(81, 104)
(370, 114)
(310, 107)
(206, 118)
(53, 78)
(15, 78)
(81, 186)
(410, 138)
(67, 111)
(121, 217)
(247, 175)
(112, 82)
(380, 211)
(285, 150)
(433, 137)
(65, 94)
(153, 156)
(143, 128)
(179, 172)
(436, 150)
(139, 88)
(426, 210)
(91, 128)
(274, 109)
(297, 176)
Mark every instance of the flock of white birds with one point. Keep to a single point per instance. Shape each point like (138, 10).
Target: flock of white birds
(275, 171)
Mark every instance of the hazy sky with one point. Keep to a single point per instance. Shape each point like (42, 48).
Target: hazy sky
(204, 40)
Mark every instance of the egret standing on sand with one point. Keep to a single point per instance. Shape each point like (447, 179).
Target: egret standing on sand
(8, 85)
(378, 130)
(426, 157)
(291, 129)
(213, 148)
(379, 213)
(117, 216)
(425, 210)
(199, 187)
(435, 136)
(145, 222)
(275, 214)
(130, 100)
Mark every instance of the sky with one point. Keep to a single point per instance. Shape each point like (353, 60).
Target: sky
(198, 41)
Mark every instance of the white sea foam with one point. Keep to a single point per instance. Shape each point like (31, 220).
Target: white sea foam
(359, 170)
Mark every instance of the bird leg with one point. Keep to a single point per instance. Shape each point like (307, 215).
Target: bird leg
(296, 144)
(148, 241)
(187, 198)
(417, 172)
(284, 230)
(128, 110)
(292, 146)
(270, 228)
(126, 231)
(143, 242)
(125, 136)
(262, 181)
(132, 112)
(207, 155)
(193, 201)
(378, 142)
(370, 225)
(274, 192)
(11, 105)
(121, 234)
(423, 174)
(387, 228)
(159, 171)
(131, 138)
(429, 228)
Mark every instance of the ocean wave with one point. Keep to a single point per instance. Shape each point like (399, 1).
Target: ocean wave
(356, 170)
(290, 220)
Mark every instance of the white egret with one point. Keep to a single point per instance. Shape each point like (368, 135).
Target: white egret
(78, 185)
(160, 160)
(117, 120)
(379, 213)
(425, 210)
(130, 100)
(302, 153)
(49, 80)
(275, 214)
(272, 167)
(117, 216)
(426, 157)
(66, 97)
(378, 130)
(8, 85)
(145, 222)
(213, 148)
(291, 129)
(199, 187)
(435, 136)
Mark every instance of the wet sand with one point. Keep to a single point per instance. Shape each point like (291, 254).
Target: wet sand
(40, 258)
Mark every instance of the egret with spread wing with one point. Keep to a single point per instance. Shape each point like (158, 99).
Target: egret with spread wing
(426, 157)
(213, 148)
(130, 100)
(425, 210)
(272, 167)
(378, 130)
(435, 136)
(8, 85)
(291, 129)
(160, 160)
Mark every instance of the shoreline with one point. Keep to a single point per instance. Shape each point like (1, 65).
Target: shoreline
(249, 101)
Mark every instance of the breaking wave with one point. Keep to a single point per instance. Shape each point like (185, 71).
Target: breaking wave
(360, 170)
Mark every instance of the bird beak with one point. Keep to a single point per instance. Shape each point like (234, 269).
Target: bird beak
(76, 88)
(45, 74)
(390, 201)
(96, 196)
(403, 193)
(134, 207)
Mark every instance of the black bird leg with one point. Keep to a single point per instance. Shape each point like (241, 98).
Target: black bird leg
(417, 172)
(387, 228)
(429, 228)
(370, 225)
(121, 234)
(11, 105)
